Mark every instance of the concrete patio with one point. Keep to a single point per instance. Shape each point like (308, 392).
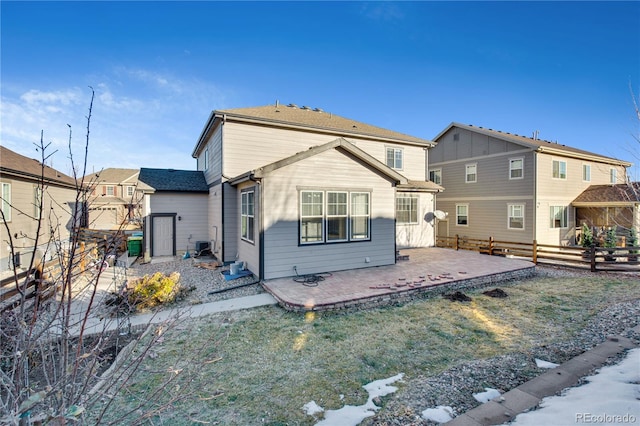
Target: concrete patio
(432, 269)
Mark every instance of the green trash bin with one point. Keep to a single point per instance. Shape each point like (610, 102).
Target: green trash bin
(134, 245)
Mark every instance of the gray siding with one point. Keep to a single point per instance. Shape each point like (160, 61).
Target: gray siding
(249, 252)
(329, 170)
(231, 228)
(215, 220)
(192, 208)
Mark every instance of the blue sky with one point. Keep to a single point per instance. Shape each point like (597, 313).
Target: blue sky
(160, 68)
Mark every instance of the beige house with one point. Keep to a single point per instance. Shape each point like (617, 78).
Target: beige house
(30, 191)
(300, 190)
(112, 200)
(511, 187)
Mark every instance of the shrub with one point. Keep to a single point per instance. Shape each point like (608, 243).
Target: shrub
(587, 236)
(157, 289)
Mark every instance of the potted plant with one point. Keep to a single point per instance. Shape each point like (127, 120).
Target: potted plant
(586, 240)
(610, 243)
(632, 242)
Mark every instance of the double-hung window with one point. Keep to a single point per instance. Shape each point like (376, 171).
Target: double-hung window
(586, 172)
(613, 176)
(471, 173)
(334, 216)
(110, 190)
(247, 215)
(462, 214)
(559, 169)
(407, 209)
(558, 216)
(435, 176)
(394, 158)
(516, 168)
(516, 216)
(6, 201)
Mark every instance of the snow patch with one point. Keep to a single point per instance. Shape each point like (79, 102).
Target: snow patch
(545, 364)
(311, 408)
(440, 414)
(486, 396)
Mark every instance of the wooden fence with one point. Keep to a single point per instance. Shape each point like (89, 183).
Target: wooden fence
(595, 258)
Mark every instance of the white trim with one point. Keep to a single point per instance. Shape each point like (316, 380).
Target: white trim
(559, 177)
(588, 165)
(467, 215)
(466, 173)
(521, 159)
(509, 216)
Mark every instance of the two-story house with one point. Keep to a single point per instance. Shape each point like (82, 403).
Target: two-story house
(512, 187)
(301, 190)
(112, 199)
(34, 197)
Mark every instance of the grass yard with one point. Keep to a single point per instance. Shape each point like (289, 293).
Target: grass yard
(261, 366)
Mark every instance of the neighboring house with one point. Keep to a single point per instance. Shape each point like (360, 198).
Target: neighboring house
(300, 190)
(25, 185)
(512, 187)
(174, 208)
(112, 200)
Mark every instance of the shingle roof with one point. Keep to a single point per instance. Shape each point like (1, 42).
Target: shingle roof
(313, 119)
(170, 180)
(538, 144)
(620, 193)
(15, 164)
(112, 175)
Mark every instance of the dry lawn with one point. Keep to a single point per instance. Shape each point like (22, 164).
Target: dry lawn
(261, 366)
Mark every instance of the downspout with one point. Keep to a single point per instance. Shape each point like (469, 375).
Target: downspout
(224, 120)
(535, 194)
(260, 227)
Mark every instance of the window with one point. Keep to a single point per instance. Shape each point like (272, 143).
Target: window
(586, 172)
(516, 168)
(516, 216)
(559, 169)
(311, 216)
(435, 176)
(471, 174)
(247, 215)
(130, 191)
(6, 201)
(407, 209)
(337, 216)
(613, 176)
(206, 159)
(394, 158)
(334, 216)
(360, 216)
(37, 199)
(462, 214)
(558, 215)
(110, 190)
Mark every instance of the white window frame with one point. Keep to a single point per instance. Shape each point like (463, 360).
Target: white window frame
(37, 198)
(467, 175)
(613, 176)
(514, 169)
(512, 213)
(458, 215)
(554, 211)
(411, 208)
(586, 172)
(396, 161)
(6, 201)
(435, 176)
(356, 212)
(558, 174)
(311, 218)
(110, 191)
(247, 215)
(206, 159)
(130, 190)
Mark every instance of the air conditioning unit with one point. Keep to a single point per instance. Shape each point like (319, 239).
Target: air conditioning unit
(201, 245)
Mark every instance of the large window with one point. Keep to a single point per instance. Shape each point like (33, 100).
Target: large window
(559, 217)
(247, 216)
(407, 209)
(334, 216)
(435, 176)
(586, 172)
(516, 216)
(516, 168)
(559, 169)
(471, 173)
(6, 201)
(462, 214)
(394, 158)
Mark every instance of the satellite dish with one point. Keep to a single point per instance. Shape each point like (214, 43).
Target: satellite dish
(440, 215)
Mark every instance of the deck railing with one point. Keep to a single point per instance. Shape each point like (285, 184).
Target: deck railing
(595, 258)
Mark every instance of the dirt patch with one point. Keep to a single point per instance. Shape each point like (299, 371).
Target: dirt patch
(496, 292)
(458, 296)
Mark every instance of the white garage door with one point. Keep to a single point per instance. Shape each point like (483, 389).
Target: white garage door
(163, 236)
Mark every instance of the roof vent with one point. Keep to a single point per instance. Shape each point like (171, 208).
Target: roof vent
(292, 106)
(305, 107)
(318, 110)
